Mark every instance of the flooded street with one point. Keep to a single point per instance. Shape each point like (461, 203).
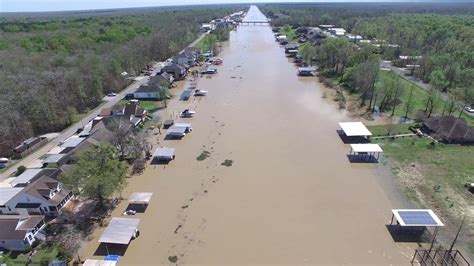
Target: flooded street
(290, 196)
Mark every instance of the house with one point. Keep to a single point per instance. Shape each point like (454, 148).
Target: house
(45, 196)
(164, 79)
(337, 31)
(207, 27)
(150, 92)
(30, 175)
(192, 51)
(18, 232)
(178, 71)
(28, 146)
(184, 60)
(354, 38)
(449, 129)
(290, 46)
(133, 109)
(118, 109)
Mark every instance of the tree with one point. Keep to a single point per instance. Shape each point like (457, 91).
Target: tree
(97, 173)
(365, 76)
(307, 51)
(409, 102)
(121, 131)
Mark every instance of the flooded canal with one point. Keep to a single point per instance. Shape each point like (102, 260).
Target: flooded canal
(290, 196)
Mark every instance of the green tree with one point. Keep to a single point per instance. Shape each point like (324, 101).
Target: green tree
(97, 173)
(307, 51)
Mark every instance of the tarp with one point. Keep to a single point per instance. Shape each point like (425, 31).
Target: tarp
(366, 147)
(352, 129)
(119, 231)
(140, 198)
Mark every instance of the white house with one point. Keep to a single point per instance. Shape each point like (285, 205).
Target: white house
(17, 233)
(337, 31)
(45, 196)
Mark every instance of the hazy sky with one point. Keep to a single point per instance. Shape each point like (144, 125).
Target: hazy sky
(59, 5)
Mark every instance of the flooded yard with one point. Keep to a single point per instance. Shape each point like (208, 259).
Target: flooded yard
(286, 194)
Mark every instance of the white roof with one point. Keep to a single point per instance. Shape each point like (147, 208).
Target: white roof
(181, 124)
(164, 152)
(54, 158)
(99, 263)
(72, 142)
(7, 193)
(366, 147)
(119, 230)
(26, 176)
(140, 197)
(352, 129)
(176, 130)
(417, 217)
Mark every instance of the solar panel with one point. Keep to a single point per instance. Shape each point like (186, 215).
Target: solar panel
(417, 217)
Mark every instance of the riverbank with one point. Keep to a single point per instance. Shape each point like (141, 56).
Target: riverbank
(290, 195)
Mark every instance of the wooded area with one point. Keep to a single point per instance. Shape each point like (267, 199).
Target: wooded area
(54, 68)
(443, 35)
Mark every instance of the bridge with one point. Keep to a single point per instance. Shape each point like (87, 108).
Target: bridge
(249, 22)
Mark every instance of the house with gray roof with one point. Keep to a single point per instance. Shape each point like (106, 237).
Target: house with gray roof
(17, 232)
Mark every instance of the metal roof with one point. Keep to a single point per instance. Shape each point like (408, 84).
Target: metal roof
(7, 193)
(164, 152)
(352, 129)
(182, 124)
(366, 147)
(54, 158)
(26, 177)
(119, 230)
(417, 217)
(176, 130)
(72, 142)
(99, 263)
(140, 197)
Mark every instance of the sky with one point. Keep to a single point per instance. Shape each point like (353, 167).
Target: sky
(64, 5)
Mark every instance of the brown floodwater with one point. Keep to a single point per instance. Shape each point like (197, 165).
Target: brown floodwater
(290, 197)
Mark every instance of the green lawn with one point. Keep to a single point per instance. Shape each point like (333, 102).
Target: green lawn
(147, 105)
(433, 176)
(42, 257)
(289, 32)
(418, 98)
(382, 130)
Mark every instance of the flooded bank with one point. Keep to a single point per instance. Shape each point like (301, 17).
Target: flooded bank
(290, 195)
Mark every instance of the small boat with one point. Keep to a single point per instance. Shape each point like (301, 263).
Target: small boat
(200, 92)
(187, 113)
(129, 212)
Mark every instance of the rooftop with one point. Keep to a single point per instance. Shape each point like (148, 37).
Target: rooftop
(119, 230)
(26, 176)
(352, 129)
(7, 193)
(140, 198)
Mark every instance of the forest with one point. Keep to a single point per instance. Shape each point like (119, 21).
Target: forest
(442, 35)
(55, 67)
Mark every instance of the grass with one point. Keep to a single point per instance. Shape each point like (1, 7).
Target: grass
(381, 130)
(203, 44)
(418, 98)
(433, 175)
(203, 156)
(150, 106)
(289, 32)
(79, 117)
(42, 257)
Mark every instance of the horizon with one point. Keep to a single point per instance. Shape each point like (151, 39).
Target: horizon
(38, 6)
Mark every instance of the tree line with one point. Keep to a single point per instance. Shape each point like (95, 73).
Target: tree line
(54, 69)
(441, 34)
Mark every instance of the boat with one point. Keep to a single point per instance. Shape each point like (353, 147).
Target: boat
(187, 113)
(200, 92)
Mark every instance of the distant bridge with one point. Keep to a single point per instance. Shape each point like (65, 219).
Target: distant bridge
(248, 22)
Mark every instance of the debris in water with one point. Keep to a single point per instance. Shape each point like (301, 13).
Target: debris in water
(184, 206)
(177, 229)
(227, 163)
(173, 259)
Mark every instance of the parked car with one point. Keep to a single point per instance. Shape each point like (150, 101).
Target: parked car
(2, 165)
(209, 70)
(470, 109)
(217, 61)
(112, 94)
(4, 160)
(129, 96)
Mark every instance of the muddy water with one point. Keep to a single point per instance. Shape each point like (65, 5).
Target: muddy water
(290, 196)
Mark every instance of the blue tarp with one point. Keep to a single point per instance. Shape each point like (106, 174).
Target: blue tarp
(112, 257)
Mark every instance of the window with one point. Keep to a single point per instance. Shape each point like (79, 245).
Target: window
(52, 208)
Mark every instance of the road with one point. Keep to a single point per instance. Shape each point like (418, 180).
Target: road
(400, 71)
(80, 124)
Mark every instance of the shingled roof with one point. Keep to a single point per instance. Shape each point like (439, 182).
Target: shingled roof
(450, 129)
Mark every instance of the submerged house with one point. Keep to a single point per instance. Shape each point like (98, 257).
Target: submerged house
(178, 71)
(18, 232)
(449, 129)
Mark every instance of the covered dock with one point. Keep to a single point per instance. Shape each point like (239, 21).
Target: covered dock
(139, 201)
(164, 153)
(354, 132)
(365, 152)
(175, 131)
(412, 225)
(99, 263)
(120, 231)
(306, 71)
